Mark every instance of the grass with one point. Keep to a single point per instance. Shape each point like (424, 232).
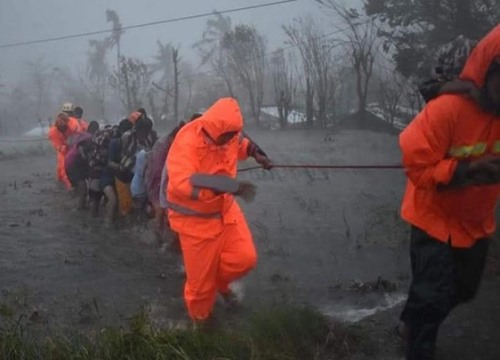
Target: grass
(284, 333)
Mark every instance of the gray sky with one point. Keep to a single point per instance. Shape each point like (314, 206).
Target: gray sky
(24, 20)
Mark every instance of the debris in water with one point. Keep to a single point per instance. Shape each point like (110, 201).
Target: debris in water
(35, 316)
(380, 285)
(14, 225)
(279, 278)
(38, 212)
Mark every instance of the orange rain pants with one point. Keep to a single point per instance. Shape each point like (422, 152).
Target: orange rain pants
(61, 171)
(213, 263)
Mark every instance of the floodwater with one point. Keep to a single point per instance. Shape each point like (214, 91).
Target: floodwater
(329, 238)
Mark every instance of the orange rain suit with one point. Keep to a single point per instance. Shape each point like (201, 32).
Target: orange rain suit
(215, 239)
(450, 130)
(84, 125)
(59, 141)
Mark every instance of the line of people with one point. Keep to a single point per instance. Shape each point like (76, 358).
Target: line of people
(99, 162)
(190, 180)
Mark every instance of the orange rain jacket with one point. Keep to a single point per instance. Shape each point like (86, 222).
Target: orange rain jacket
(216, 243)
(82, 123)
(201, 174)
(450, 130)
(59, 141)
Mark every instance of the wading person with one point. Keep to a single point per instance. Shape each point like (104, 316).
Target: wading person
(140, 137)
(216, 243)
(77, 162)
(155, 175)
(451, 153)
(59, 135)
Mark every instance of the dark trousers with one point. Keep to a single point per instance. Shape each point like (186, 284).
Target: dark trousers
(443, 277)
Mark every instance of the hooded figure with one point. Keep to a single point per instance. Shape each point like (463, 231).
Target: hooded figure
(451, 153)
(59, 135)
(215, 239)
(451, 60)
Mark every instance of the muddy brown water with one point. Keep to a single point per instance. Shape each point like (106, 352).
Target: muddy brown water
(321, 235)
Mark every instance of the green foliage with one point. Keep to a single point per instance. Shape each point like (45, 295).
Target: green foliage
(272, 334)
(415, 29)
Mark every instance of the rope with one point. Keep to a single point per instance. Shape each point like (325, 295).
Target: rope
(338, 167)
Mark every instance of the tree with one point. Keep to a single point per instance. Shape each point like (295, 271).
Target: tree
(220, 65)
(391, 89)
(211, 50)
(115, 38)
(152, 103)
(415, 29)
(361, 45)
(19, 110)
(135, 80)
(164, 65)
(163, 62)
(216, 28)
(188, 77)
(284, 85)
(96, 75)
(245, 49)
(176, 60)
(316, 53)
(41, 76)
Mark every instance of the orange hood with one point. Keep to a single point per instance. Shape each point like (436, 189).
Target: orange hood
(481, 58)
(222, 117)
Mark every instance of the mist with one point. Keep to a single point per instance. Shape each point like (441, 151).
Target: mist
(325, 88)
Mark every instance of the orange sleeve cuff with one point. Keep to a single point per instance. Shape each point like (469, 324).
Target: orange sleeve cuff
(444, 171)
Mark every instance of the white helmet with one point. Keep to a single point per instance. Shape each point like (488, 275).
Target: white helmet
(67, 107)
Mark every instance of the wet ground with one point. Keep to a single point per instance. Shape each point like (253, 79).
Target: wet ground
(329, 238)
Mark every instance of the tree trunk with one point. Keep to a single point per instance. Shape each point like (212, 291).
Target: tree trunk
(127, 87)
(322, 109)
(309, 104)
(152, 105)
(282, 111)
(118, 56)
(253, 105)
(175, 55)
(166, 107)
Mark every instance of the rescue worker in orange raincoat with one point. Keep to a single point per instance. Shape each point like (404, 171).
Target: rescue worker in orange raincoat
(78, 115)
(216, 243)
(73, 122)
(59, 134)
(451, 153)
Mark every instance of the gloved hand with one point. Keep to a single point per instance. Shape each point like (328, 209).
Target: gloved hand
(246, 191)
(264, 161)
(487, 165)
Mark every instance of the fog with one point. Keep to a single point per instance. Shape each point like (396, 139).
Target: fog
(28, 20)
(325, 88)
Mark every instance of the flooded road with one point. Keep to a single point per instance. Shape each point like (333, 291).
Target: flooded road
(330, 238)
